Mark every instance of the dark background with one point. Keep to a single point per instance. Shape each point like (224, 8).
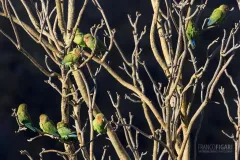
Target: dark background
(21, 82)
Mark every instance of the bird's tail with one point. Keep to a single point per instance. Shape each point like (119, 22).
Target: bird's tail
(29, 126)
(72, 135)
(192, 43)
(38, 130)
(55, 134)
(210, 22)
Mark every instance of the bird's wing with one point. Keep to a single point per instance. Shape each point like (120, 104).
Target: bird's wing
(49, 127)
(67, 58)
(20, 117)
(24, 117)
(215, 16)
(75, 59)
(28, 116)
(94, 124)
(189, 32)
(91, 44)
(61, 131)
(65, 131)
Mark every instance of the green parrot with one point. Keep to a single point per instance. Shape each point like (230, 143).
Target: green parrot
(47, 125)
(218, 15)
(78, 39)
(65, 132)
(24, 117)
(99, 124)
(90, 42)
(72, 57)
(192, 33)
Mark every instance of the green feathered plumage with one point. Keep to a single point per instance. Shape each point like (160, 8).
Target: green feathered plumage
(218, 15)
(91, 41)
(78, 39)
(72, 57)
(65, 132)
(24, 117)
(192, 33)
(47, 125)
(99, 124)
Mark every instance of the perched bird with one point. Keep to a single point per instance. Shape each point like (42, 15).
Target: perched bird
(218, 15)
(192, 33)
(24, 117)
(47, 125)
(91, 42)
(65, 132)
(99, 124)
(78, 39)
(72, 57)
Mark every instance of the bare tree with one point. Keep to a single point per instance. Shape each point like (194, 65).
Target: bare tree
(51, 28)
(236, 125)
